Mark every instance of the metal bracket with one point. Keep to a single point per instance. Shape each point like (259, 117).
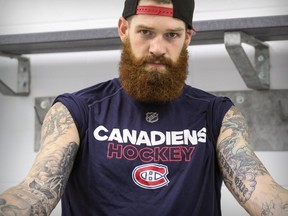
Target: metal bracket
(257, 75)
(266, 113)
(23, 78)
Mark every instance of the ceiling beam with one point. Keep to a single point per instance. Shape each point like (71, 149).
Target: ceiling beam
(269, 28)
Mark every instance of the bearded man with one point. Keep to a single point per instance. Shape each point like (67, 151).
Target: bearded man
(146, 143)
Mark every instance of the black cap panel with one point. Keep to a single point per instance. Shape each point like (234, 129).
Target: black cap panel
(182, 9)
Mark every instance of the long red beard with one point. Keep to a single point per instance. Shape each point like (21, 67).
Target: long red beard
(152, 86)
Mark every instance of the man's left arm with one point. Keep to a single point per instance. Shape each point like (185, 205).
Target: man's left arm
(243, 173)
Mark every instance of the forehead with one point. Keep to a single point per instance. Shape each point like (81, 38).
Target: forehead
(156, 22)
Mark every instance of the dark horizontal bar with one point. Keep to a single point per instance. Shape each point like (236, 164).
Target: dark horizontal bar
(269, 28)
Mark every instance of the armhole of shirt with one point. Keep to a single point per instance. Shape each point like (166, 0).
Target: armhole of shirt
(218, 109)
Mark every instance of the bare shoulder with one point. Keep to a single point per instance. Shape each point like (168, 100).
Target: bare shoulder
(243, 173)
(43, 187)
(58, 124)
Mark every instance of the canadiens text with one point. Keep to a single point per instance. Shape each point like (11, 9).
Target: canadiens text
(156, 146)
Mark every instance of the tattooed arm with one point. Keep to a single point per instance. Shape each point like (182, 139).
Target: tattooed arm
(244, 174)
(41, 190)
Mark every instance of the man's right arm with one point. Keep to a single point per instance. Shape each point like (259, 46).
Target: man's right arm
(43, 187)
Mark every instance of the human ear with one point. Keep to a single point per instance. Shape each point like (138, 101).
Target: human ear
(189, 33)
(123, 28)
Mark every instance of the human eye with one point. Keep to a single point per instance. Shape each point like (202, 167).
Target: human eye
(145, 32)
(172, 35)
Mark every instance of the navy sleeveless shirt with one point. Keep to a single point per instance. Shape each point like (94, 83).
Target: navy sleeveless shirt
(144, 159)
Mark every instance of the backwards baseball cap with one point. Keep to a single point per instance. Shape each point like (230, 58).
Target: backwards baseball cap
(182, 9)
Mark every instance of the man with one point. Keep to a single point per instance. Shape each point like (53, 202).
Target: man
(146, 143)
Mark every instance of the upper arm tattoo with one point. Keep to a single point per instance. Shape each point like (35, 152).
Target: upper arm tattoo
(41, 190)
(239, 165)
(56, 122)
(52, 171)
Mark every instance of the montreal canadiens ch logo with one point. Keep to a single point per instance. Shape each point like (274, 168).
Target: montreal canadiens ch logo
(150, 176)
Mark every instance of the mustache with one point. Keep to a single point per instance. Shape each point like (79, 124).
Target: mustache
(153, 59)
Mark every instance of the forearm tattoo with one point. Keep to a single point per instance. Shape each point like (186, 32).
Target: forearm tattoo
(278, 205)
(239, 165)
(41, 190)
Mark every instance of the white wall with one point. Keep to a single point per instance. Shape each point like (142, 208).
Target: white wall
(56, 15)
(210, 69)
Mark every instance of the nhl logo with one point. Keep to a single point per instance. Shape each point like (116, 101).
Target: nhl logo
(152, 117)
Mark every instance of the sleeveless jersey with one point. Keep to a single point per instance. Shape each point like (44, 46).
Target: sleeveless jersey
(139, 159)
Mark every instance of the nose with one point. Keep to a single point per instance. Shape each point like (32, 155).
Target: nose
(157, 46)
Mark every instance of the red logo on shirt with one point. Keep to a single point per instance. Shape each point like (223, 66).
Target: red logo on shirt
(150, 176)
